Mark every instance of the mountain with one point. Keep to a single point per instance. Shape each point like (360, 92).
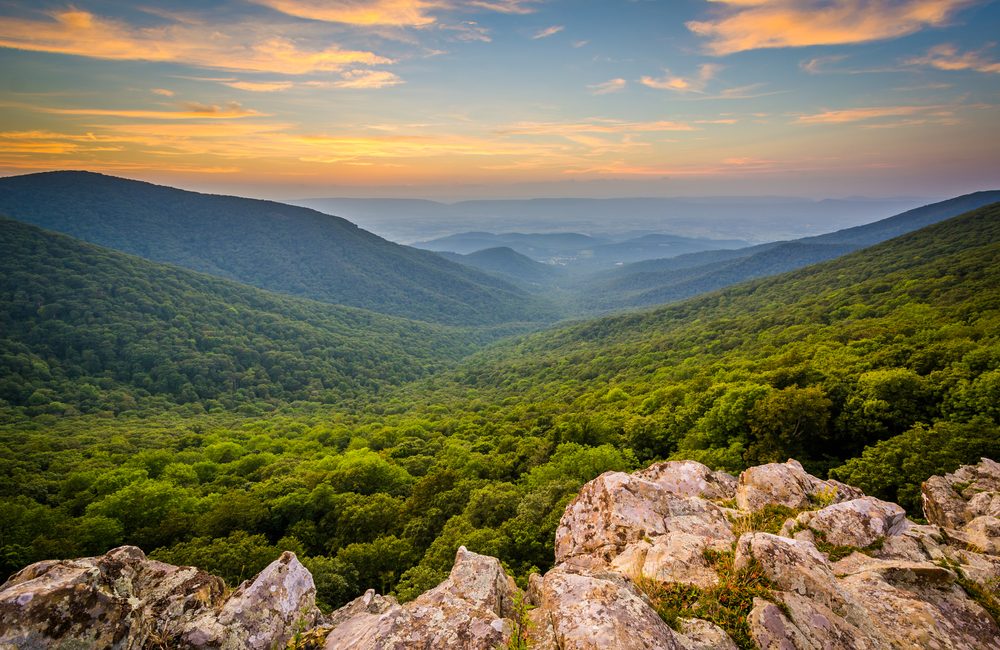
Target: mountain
(576, 252)
(739, 217)
(270, 245)
(889, 357)
(86, 328)
(655, 282)
(510, 265)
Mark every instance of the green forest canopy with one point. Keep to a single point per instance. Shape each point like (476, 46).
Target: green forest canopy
(881, 368)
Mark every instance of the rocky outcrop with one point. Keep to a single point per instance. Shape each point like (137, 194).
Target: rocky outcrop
(471, 609)
(674, 542)
(124, 600)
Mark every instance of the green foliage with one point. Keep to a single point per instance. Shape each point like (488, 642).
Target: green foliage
(890, 357)
(250, 241)
(727, 604)
(893, 469)
(85, 329)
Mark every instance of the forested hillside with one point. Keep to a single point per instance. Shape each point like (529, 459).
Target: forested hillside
(84, 328)
(888, 359)
(270, 245)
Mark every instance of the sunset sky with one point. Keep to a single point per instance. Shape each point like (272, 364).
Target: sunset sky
(294, 98)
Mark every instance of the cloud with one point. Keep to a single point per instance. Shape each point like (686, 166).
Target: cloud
(505, 6)
(947, 57)
(393, 13)
(608, 87)
(189, 111)
(80, 33)
(915, 115)
(548, 31)
(259, 86)
(163, 92)
(754, 24)
(594, 126)
(468, 31)
(696, 84)
(819, 64)
(368, 79)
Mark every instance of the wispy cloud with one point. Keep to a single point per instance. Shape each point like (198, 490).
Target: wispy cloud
(468, 31)
(948, 57)
(754, 24)
(163, 92)
(608, 87)
(505, 6)
(915, 115)
(548, 31)
(368, 79)
(189, 111)
(596, 125)
(394, 13)
(696, 84)
(81, 33)
(259, 86)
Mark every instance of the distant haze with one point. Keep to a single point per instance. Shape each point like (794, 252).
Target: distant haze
(755, 219)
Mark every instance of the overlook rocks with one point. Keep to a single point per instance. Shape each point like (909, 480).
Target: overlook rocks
(774, 559)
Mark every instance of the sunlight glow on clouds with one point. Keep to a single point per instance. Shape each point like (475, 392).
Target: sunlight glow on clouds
(947, 57)
(80, 33)
(754, 24)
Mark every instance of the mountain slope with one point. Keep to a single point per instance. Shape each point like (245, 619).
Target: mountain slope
(861, 348)
(270, 245)
(659, 281)
(99, 330)
(510, 265)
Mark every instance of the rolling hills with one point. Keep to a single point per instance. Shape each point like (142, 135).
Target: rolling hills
(270, 245)
(86, 328)
(882, 366)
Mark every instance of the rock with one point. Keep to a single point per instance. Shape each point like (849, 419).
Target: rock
(605, 611)
(696, 634)
(795, 566)
(686, 478)
(470, 610)
(117, 600)
(368, 603)
(984, 533)
(672, 558)
(123, 600)
(955, 499)
(787, 484)
(262, 612)
(617, 509)
(918, 605)
(858, 522)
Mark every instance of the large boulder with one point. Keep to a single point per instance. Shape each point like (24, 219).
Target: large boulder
(787, 484)
(618, 509)
(124, 600)
(471, 610)
(955, 499)
(577, 610)
(858, 522)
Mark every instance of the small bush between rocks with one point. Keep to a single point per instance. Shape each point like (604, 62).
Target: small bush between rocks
(726, 604)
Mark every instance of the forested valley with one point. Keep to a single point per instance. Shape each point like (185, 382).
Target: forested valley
(215, 424)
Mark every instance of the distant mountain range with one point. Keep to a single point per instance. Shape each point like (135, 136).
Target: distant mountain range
(508, 264)
(654, 282)
(270, 245)
(752, 218)
(578, 252)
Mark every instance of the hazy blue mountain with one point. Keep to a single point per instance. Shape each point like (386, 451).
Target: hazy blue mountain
(754, 218)
(577, 252)
(271, 245)
(510, 265)
(655, 282)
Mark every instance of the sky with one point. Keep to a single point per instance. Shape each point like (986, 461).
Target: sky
(508, 98)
